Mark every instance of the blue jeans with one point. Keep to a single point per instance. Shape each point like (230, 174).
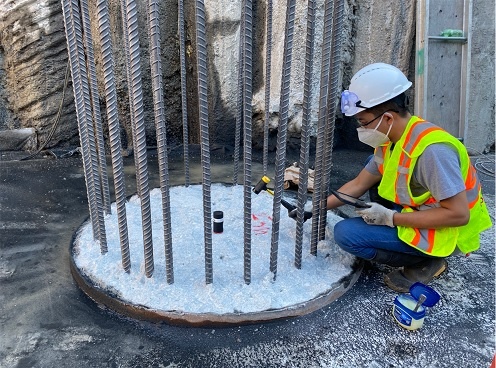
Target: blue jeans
(362, 240)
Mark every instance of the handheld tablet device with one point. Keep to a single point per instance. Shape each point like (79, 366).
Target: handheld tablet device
(352, 201)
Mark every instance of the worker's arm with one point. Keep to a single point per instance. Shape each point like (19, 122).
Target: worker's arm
(453, 212)
(355, 187)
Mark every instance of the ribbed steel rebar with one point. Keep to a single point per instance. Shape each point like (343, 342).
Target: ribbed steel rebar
(127, 62)
(268, 61)
(201, 49)
(184, 97)
(95, 104)
(160, 125)
(333, 97)
(282, 134)
(72, 22)
(305, 133)
(70, 10)
(240, 99)
(319, 154)
(140, 154)
(247, 132)
(114, 131)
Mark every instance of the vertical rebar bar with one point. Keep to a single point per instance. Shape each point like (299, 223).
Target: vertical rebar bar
(240, 100)
(140, 154)
(201, 49)
(114, 131)
(333, 96)
(282, 133)
(184, 97)
(268, 62)
(305, 133)
(77, 60)
(127, 62)
(82, 64)
(95, 104)
(247, 132)
(160, 126)
(319, 154)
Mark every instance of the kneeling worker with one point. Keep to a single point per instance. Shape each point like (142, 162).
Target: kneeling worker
(422, 171)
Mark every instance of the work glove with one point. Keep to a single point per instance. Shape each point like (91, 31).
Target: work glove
(377, 214)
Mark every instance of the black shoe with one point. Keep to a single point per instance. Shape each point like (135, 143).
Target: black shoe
(424, 272)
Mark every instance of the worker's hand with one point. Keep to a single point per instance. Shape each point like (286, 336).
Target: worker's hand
(377, 215)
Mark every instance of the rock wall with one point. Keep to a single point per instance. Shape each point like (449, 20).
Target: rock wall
(33, 61)
(170, 68)
(480, 127)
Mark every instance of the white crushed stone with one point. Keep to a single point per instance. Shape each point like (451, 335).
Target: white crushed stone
(228, 293)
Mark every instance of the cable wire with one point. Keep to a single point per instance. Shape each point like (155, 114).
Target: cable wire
(57, 118)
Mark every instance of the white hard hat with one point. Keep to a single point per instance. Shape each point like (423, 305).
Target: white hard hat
(372, 85)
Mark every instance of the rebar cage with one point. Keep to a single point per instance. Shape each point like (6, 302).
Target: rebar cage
(84, 76)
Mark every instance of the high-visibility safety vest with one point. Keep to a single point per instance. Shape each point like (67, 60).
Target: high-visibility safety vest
(397, 167)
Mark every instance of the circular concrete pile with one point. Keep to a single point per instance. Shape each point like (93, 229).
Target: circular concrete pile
(228, 300)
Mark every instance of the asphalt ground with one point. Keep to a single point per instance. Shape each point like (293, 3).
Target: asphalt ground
(47, 321)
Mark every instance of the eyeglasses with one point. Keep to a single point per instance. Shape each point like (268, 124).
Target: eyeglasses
(374, 119)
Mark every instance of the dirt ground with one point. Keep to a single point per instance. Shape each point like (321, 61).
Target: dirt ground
(46, 321)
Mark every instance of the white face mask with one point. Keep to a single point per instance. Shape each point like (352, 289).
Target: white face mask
(373, 137)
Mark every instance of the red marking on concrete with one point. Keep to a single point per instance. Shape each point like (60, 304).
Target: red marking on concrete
(261, 223)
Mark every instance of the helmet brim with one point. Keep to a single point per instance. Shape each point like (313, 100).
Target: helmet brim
(358, 109)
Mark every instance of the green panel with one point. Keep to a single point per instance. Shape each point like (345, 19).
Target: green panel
(443, 85)
(444, 65)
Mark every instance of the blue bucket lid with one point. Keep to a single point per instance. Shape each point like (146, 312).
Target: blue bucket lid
(432, 296)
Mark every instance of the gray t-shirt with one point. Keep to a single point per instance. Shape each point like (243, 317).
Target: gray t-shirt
(437, 171)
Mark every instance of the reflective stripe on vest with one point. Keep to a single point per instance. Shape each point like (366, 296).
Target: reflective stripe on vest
(472, 182)
(400, 164)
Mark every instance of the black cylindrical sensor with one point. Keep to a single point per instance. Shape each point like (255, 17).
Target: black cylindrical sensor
(218, 222)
